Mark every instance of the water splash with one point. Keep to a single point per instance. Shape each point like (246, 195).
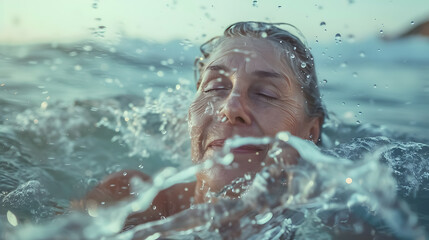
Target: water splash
(313, 197)
(135, 124)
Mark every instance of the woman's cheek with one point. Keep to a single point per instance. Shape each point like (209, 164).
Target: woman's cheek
(199, 120)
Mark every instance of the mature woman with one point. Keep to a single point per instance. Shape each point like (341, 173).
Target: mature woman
(256, 80)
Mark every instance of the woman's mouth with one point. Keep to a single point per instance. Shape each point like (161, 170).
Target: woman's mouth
(219, 143)
(247, 149)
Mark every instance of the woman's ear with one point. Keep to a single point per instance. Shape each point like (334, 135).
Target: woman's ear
(314, 129)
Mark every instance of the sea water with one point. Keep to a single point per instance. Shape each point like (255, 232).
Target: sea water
(73, 113)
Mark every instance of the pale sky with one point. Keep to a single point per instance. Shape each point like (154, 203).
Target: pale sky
(40, 21)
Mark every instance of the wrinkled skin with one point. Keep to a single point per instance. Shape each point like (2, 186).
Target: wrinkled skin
(245, 90)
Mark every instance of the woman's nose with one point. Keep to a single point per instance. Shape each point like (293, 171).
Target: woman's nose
(235, 110)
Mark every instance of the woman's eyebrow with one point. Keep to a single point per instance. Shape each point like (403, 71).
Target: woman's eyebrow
(218, 68)
(266, 74)
(259, 73)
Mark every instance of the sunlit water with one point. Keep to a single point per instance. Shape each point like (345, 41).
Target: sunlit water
(72, 114)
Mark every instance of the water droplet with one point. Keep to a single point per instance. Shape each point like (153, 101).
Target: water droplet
(44, 105)
(124, 174)
(357, 122)
(303, 64)
(227, 159)
(344, 64)
(412, 22)
(141, 166)
(381, 31)
(95, 5)
(360, 113)
(322, 24)
(343, 103)
(338, 38)
(154, 207)
(325, 81)
(160, 74)
(264, 35)
(77, 68)
(255, 3)
(283, 136)
(154, 236)
(263, 218)
(362, 54)
(358, 105)
(355, 75)
(11, 218)
(292, 56)
(349, 180)
(87, 48)
(375, 85)
(247, 176)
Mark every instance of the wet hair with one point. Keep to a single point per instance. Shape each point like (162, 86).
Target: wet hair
(294, 53)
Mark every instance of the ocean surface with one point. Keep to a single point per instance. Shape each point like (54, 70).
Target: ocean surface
(73, 113)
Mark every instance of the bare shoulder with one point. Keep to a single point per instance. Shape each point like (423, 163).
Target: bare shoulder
(116, 188)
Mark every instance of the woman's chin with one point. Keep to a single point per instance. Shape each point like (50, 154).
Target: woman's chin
(219, 176)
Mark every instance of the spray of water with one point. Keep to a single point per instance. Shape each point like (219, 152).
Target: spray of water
(320, 194)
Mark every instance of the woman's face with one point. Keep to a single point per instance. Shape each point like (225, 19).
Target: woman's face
(246, 91)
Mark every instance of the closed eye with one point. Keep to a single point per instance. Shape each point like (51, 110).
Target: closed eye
(214, 89)
(217, 84)
(266, 95)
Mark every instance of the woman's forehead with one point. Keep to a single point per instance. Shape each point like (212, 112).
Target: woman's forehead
(250, 53)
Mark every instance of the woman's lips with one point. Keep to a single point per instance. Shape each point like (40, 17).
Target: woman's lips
(247, 149)
(242, 149)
